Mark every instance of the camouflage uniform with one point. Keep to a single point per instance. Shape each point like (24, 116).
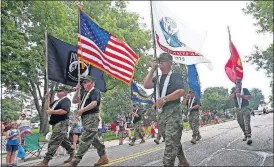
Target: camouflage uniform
(243, 118)
(172, 122)
(60, 124)
(90, 124)
(243, 113)
(138, 131)
(170, 117)
(194, 122)
(59, 137)
(138, 127)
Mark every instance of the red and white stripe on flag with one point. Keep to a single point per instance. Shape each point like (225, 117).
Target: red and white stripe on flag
(118, 59)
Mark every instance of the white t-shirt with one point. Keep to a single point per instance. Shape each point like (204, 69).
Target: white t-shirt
(23, 125)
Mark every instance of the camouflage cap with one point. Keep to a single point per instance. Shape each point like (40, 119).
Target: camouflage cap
(165, 57)
(61, 88)
(88, 78)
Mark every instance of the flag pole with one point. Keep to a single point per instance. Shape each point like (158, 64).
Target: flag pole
(79, 64)
(79, 32)
(46, 58)
(155, 53)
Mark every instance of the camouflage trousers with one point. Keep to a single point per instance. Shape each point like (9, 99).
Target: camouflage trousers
(138, 131)
(243, 118)
(171, 120)
(161, 130)
(90, 124)
(59, 137)
(194, 122)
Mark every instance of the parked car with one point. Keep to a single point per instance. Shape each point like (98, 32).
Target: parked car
(269, 110)
(258, 112)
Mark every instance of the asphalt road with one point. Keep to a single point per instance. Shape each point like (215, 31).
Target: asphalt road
(221, 145)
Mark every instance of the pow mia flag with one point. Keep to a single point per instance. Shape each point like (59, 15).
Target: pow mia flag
(63, 65)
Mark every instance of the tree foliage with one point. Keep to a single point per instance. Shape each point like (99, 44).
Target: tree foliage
(216, 98)
(11, 108)
(257, 98)
(23, 58)
(262, 12)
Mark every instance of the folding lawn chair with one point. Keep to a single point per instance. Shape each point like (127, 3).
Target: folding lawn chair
(31, 146)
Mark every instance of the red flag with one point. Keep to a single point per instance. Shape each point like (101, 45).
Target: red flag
(233, 67)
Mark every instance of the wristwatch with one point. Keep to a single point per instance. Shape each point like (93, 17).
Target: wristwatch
(165, 99)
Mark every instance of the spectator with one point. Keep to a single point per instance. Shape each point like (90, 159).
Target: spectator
(24, 127)
(76, 130)
(117, 118)
(13, 141)
(152, 130)
(146, 123)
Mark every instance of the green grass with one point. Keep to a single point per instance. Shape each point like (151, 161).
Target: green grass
(110, 135)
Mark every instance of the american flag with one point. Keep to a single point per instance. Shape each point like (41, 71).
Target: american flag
(102, 50)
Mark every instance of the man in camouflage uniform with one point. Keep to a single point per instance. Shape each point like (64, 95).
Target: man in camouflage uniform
(170, 109)
(137, 115)
(241, 96)
(89, 112)
(59, 119)
(193, 105)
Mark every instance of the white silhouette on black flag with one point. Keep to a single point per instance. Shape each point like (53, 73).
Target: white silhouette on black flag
(63, 65)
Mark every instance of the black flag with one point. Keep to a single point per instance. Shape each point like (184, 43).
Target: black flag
(63, 65)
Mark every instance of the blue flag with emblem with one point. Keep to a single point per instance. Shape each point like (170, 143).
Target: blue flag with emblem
(136, 96)
(193, 80)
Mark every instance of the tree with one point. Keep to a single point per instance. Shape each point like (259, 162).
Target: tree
(23, 59)
(257, 98)
(216, 98)
(262, 12)
(23, 27)
(35, 119)
(11, 109)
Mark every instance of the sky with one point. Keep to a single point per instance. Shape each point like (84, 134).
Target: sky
(214, 17)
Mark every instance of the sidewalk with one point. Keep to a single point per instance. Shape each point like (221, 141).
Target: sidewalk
(35, 160)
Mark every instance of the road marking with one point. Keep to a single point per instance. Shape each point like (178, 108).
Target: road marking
(125, 158)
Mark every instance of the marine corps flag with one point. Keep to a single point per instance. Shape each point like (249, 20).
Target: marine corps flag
(233, 67)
